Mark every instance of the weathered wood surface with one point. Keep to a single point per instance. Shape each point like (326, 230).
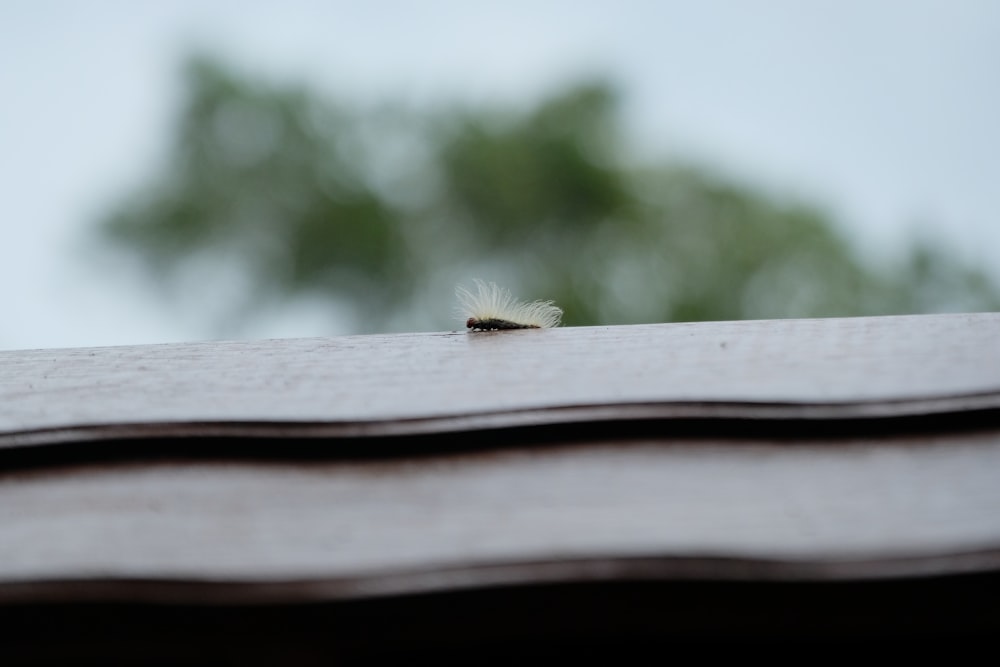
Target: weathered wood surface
(437, 382)
(602, 511)
(113, 496)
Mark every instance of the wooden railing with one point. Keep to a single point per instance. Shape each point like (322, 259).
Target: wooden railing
(560, 489)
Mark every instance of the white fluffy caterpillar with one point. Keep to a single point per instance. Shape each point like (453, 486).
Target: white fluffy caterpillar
(492, 307)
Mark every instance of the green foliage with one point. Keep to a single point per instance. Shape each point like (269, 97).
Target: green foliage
(540, 174)
(298, 196)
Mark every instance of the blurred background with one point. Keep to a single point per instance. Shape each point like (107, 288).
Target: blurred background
(208, 169)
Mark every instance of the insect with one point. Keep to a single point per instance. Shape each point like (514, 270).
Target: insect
(492, 307)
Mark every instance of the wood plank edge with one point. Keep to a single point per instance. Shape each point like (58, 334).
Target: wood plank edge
(983, 407)
(261, 590)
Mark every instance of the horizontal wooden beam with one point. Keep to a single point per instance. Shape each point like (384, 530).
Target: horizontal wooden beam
(661, 482)
(402, 384)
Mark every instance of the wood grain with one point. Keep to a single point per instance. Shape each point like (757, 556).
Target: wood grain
(613, 510)
(438, 382)
(142, 540)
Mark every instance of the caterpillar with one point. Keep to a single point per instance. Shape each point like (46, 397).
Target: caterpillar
(492, 308)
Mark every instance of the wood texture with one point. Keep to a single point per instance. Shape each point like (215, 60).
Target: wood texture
(437, 382)
(330, 497)
(602, 511)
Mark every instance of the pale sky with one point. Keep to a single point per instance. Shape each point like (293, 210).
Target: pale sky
(884, 111)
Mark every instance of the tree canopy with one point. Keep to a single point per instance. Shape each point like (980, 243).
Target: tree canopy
(281, 193)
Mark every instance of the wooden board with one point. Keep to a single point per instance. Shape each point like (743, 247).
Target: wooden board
(437, 382)
(574, 487)
(605, 511)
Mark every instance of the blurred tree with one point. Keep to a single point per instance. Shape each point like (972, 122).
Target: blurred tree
(283, 194)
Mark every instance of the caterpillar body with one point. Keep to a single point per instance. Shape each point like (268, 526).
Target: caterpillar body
(492, 308)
